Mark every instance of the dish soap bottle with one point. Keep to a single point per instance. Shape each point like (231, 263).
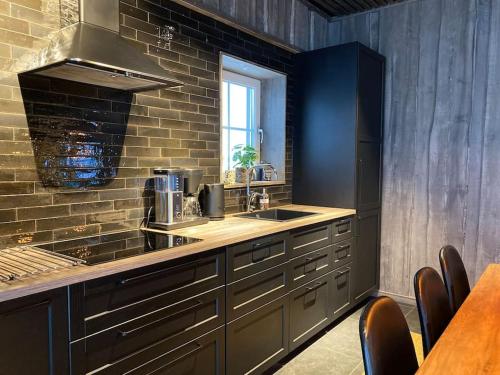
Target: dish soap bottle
(264, 200)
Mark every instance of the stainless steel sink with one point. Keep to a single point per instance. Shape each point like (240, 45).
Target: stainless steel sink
(276, 214)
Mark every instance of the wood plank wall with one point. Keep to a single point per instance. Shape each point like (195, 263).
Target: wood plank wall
(442, 132)
(289, 21)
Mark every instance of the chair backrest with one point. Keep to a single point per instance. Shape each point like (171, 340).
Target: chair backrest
(385, 339)
(433, 307)
(454, 275)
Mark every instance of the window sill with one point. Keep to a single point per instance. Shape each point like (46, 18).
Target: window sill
(239, 185)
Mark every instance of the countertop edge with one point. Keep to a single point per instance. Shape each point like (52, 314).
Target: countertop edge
(42, 283)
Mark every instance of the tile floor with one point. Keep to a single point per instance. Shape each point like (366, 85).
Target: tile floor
(338, 351)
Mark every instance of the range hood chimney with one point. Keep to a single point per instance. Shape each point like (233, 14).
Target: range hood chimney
(91, 51)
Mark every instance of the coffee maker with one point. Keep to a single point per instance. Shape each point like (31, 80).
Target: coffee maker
(176, 198)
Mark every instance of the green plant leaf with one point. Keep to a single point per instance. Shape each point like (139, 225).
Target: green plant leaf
(244, 155)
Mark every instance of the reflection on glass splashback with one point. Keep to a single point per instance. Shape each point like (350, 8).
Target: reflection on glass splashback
(70, 159)
(75, 147)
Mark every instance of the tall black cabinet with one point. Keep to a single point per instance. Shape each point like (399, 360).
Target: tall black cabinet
(337, 145)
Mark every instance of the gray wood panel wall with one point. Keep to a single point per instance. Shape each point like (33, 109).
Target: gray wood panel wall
(442, 132)
(289, 21)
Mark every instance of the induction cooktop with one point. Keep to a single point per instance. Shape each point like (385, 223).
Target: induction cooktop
(113, 246)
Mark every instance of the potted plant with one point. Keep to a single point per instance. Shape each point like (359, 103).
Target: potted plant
(245, 157)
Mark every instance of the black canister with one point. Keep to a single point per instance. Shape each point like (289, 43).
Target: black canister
(212, 201)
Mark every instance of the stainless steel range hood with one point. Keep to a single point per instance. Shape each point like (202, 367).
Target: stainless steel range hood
(91, 51)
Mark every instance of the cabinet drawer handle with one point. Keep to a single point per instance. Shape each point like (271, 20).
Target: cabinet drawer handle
(265, 243)
(312, 230)
(258, 259)
(340, 273)
(340, 248)
(150, 274)
(137, 329)
(316, 286)
(310, 259)
(346, 223)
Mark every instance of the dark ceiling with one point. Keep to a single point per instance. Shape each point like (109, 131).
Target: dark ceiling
(336, 8)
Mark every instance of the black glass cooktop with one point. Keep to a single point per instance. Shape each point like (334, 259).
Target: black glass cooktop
(114, 246)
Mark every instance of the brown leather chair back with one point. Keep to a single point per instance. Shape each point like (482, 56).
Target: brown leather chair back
(385, 339)
(454, 275)
(433, 307)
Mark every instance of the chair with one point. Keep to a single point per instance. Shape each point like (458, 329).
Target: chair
(454, 275)
(433, 307)
(385, 339)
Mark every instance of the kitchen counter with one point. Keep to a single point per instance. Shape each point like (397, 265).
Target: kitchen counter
(215, 234)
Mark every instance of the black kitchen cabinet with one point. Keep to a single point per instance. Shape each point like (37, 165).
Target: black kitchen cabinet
(258, 340)
(149, 315)
(233, 310)
(337, 160)
(310, 309)
(341, 290)
(369, 159)
(34, 333)
(367, 258)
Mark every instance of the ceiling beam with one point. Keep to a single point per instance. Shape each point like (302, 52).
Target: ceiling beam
(337, 8)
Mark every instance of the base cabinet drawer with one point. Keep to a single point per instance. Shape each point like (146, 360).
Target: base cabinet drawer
(343, 252)
(190, 276)
(258, 340)
(204, 355)
(342, 229)
(304, 240)
(310, 266)
(252, 292)
(186, 319)
(309, 309)
(341, 289)
(248, 258)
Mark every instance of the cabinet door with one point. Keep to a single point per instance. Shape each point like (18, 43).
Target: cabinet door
(341, 285)
(258, 340)
(370, 94)
(324, 142)
(35, 334)
(309, 310)
(369, 175)
(366, 265)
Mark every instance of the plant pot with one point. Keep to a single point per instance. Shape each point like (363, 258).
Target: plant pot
(241, 175)
(229, 177)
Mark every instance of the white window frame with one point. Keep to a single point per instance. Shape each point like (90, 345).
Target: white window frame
(239, 79)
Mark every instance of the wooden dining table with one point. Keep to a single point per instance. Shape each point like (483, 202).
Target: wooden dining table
(471, 342)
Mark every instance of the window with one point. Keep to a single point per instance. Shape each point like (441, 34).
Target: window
(240, 114)
(253, 113)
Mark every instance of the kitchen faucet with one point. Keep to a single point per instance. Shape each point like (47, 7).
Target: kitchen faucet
(251, 195)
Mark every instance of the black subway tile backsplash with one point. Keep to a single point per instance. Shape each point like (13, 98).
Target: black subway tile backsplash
(77, 159)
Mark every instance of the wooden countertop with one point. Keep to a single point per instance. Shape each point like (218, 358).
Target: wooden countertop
(215, 234)
(471, 342)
